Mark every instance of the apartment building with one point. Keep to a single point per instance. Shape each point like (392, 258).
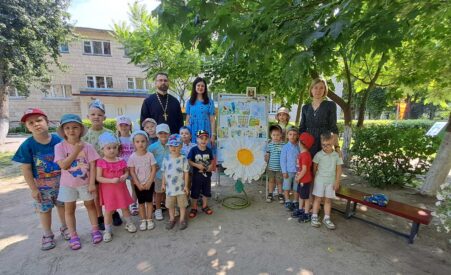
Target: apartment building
(95, 66)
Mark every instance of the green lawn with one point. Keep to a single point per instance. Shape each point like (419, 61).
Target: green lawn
(5, 159)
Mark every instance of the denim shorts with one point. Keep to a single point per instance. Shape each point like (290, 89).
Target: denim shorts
(289, 183)
(49, 200)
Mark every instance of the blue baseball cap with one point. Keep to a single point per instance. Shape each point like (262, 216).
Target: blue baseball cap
(107, 138)
(70, 118)
(174, 140)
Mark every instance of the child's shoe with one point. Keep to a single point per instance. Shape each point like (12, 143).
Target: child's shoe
(269, 198)
(329, 224)
(292, 207)
(134, 209)
(130, 227)
(101, 223)
(183, 225)
(150, 225)
(96, 237)
(74, 242)
(281, 198)
(107, 237)
(296, 205)
(297, 213)
(288, 205)
(306, 217)
(48, 242)
(65, 233)
(116, 219)
(315, 221)
(170, 225)
(143, 225)
(159, 215)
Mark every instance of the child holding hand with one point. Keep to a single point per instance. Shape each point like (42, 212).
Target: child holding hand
(111, 174)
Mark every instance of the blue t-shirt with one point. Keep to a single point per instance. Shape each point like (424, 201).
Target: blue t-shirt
(159, 151)
(46, 172)
(198, 156)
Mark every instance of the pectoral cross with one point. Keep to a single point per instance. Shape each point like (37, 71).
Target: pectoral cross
(165, 116)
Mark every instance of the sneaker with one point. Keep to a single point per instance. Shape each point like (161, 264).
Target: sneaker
(159, 215)
(281, 198)
(297, 213)
(130, 227)
(107, 237)
(177, 212)
(329, 224)
(170, 225)
(116, 219)
(269, 198)
(315, 221)
(305, 218)
(288, 205)
(48, 242)
(65, 233)
(101, 223)
(143, 225)
(134, 209)
(150, 224)
(292, 207)
(296, 205)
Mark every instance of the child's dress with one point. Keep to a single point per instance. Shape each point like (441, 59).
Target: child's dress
(113, 195)
(126, 149)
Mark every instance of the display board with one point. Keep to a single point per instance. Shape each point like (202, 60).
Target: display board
(241, 116)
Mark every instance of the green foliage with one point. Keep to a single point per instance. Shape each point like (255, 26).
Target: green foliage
(109, 123)
(392, 156)
(413, 123)
(30, 33)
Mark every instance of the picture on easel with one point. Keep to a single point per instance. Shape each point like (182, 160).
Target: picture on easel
(251, 91)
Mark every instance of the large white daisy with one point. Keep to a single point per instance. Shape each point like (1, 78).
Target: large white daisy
(244, 159)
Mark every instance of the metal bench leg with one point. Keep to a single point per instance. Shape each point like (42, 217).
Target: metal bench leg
(414, 231)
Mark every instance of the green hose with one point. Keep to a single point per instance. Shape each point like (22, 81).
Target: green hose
(236, 202)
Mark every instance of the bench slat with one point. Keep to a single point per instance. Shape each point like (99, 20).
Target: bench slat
(412, 213)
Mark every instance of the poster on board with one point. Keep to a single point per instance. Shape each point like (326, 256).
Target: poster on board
(241, 116)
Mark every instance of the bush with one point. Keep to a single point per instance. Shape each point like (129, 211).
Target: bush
(412, 123)
(392, 156)
(109, 123)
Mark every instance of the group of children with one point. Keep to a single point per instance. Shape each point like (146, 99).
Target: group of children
(112, 171)
(298, 177)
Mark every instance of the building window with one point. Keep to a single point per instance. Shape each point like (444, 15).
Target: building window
(99, 82)
(13, 92)
(63, 48)
(135, 83)
(97, 47)
(58, 91)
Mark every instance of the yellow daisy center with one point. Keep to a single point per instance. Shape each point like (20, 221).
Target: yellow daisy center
(245, 156)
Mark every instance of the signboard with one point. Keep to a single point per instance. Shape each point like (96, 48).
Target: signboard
(241, 116)
(436, 129)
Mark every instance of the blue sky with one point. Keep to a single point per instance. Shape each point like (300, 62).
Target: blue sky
(100, 14)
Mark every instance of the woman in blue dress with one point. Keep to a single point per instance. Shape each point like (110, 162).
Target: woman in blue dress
(200, 110)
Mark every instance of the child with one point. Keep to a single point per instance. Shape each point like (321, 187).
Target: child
(283, 118)
(288, 160)
(78, 173)
(272, 156)
(185, 133)
(327, 170)
(175, 177)
(159, 149)
(200, 158)
(143, 168)
(304, 178)
(96, 114)
(124, 128)
(149, 125)
(111, 174)
(42, 175)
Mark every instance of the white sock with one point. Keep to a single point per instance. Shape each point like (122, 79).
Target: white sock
(314, 215)
(326, 217)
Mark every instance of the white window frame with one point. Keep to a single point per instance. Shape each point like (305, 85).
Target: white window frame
(94, 77)
(51, 92)
(134, 83)
(91, 46)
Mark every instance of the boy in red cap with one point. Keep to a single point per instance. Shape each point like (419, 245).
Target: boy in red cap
(41, 173)
(304, 178)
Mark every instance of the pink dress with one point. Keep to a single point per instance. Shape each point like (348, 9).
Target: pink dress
(113, 195)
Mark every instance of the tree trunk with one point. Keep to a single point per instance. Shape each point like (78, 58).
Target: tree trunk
(300, 102)
(362, 108)
(4, 113)
(441, 165)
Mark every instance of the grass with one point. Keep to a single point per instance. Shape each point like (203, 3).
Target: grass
(5, 159)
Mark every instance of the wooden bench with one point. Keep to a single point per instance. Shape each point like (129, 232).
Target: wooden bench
(415, 214)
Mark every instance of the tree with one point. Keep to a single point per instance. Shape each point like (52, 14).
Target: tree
(158, 51)
(30, 34)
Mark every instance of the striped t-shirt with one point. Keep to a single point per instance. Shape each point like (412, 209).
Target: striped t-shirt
(274, 150)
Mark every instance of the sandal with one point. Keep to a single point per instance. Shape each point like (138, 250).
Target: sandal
(193, 213)
(96, 237)
(65, 233)
(207, 210)
(48, 242)
(74, 243)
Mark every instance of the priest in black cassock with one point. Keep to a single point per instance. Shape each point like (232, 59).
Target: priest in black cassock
(163, 107)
